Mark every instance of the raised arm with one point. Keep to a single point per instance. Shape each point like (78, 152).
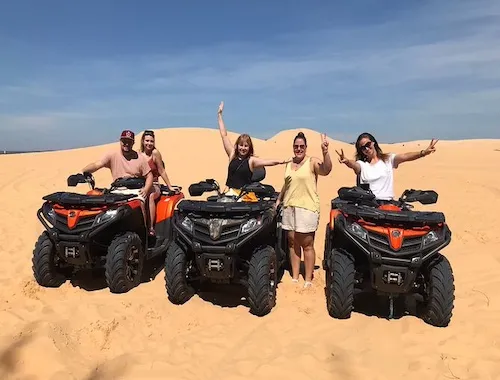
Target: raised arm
(255, 162)
(412, 156)
(323, 167)
(161, 168)
(349, 163)
(228, 146)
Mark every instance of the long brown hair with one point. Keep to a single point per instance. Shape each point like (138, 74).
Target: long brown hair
(359, 153)
(146, 133)
(244, 138)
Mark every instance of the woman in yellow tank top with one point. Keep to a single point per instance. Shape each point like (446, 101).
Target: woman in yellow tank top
(301, 206)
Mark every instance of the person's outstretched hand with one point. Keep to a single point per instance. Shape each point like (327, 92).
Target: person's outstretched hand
(342, 158)
(431, 148)
(221, 108)
(324, 143)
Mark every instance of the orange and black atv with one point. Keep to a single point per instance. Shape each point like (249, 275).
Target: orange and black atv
(386, 248)
(100, 229)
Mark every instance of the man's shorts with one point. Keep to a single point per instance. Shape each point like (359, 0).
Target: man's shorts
(130, 191)
(299, 220)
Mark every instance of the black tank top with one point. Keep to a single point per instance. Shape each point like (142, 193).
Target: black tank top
(238, 173)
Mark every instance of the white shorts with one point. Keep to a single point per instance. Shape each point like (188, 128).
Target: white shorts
(124, 190)
(299, 220)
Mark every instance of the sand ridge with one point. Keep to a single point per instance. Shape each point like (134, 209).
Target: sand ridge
(88, 333)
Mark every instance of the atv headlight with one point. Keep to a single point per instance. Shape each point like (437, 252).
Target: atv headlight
(357, 230)
(187, 224)
(430, 238)
(250, 225)
(110, 214)
(49, 213)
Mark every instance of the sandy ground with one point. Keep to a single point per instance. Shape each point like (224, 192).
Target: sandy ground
(82, 332)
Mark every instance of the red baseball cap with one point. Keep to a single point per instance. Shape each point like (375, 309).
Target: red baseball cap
(127, 134)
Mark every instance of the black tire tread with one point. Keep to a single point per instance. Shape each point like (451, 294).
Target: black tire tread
(115, 266)
(439, 306)
(44, 269)
(177, 287)
(340, 285)
(258, 281)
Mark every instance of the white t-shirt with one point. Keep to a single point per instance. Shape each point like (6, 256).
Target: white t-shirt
(379, 176)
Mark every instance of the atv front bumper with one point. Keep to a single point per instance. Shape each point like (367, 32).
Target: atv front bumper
(217, 266)
(74, 249)
(393, 279)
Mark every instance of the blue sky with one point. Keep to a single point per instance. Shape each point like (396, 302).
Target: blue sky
(75, 73)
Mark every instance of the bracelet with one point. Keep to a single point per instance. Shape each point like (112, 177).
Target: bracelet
(422, 154)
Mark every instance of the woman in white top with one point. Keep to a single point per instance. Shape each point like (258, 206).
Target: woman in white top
(375, 167)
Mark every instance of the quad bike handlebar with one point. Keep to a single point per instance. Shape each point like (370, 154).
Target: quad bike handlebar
(75, 179)
(208, 185)
(129, 183)
(363, 195)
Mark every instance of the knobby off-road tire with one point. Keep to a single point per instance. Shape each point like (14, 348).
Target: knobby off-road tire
(124, 262)
(438, 306)
(262, 281)
(340, 285)
(44, 266)
(178, 289)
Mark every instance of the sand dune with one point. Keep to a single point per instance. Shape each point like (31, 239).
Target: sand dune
(141, 335)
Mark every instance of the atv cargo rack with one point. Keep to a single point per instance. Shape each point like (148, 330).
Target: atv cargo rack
(405, 216)
(74, 199)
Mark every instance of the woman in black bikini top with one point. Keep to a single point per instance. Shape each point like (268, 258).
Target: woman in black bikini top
(242, 162)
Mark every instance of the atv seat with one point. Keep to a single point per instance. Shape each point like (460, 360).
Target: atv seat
(74, 199)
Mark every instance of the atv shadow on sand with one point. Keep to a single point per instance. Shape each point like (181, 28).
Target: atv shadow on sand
(386, 249)
(95, 278)
(225, 240)
(102, 230)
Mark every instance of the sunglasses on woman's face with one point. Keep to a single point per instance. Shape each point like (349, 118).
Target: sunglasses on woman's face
(301, 146)
(366, 146)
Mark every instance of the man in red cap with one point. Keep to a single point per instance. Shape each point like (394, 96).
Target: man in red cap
(126, 163)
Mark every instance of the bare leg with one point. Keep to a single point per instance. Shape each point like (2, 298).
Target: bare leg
(294, 248)
(144, 214)
(307, 240)
(152, 210)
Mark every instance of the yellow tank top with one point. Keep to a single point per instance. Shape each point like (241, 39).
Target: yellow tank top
(300, 185)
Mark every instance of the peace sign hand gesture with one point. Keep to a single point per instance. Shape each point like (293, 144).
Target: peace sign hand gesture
(324, 143)
(431, 148)
(342, 158)
(221, 108)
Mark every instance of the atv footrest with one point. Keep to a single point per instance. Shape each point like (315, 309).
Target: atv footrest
(393, 279)
(215, 265)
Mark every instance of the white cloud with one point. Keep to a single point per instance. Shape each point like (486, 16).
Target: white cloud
(430, 67)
